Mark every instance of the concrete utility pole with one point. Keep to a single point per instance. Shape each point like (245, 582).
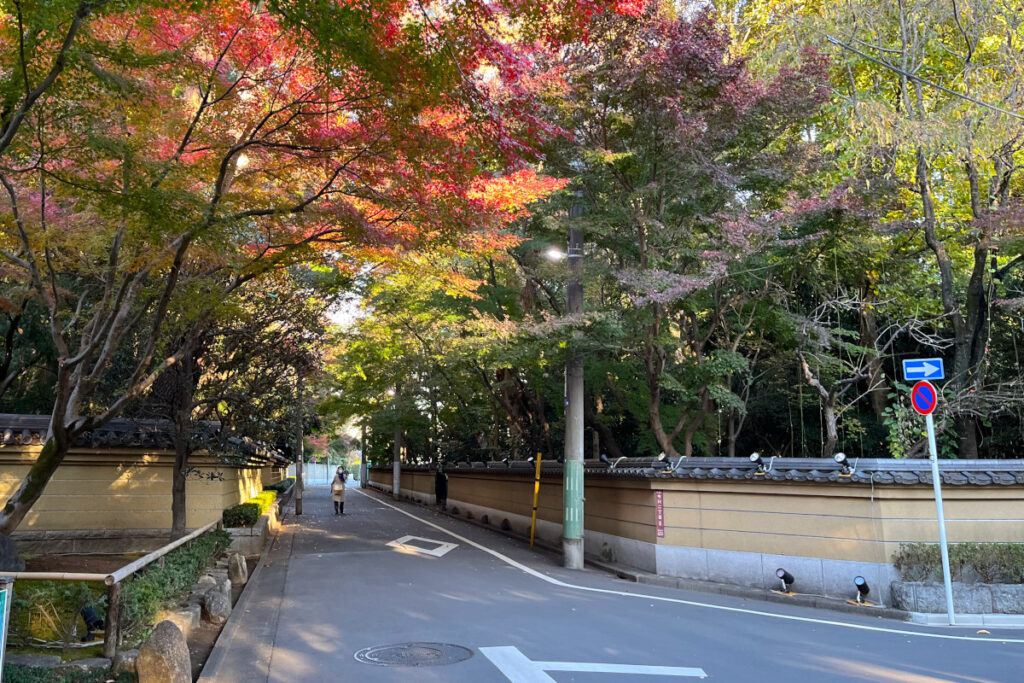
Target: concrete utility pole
(362, 456)
(396, 471)
(572, 495)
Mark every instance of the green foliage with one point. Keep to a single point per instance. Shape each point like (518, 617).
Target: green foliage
(15, 673)
(281, 486)
(249, 512)
(157, 587)
(49, 610)
(988, 562)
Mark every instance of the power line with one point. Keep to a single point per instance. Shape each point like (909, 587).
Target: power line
(924, 81)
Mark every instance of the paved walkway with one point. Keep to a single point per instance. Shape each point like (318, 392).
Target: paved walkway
(332, 586)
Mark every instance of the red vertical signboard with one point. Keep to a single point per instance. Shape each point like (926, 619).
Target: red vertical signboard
(659, 512)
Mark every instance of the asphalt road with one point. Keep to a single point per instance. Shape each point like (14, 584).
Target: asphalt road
(333, 586)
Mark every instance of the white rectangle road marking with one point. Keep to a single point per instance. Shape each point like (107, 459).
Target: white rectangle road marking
(519, 668)
(441, 549)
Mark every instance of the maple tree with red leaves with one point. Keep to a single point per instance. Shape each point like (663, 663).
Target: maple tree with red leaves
(156, 158)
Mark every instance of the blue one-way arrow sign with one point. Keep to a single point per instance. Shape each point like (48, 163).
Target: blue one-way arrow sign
(923, 368)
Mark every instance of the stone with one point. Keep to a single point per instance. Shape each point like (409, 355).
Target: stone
(903, 596)
(216, 607)
(970, 598)
(206, 581)
(34, 661)
(88, 665)
(930, 597)
(9, 560)
(185, 617)
(164, 657)
(238, 572)
(125, 662)
(1007, 598)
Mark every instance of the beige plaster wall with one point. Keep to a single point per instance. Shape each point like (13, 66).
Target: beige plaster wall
(830, 521)
(125, 489)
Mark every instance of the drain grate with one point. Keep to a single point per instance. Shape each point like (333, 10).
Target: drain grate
(413, 654)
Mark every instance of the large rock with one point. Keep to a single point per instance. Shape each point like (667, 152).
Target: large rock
(164, 658)
(238, 572)
(9, 560)
(216, 607)
(125, 662)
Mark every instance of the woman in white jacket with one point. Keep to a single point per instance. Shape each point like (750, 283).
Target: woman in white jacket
(338, 491)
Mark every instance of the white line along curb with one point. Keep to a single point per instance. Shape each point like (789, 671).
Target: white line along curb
(691, 603)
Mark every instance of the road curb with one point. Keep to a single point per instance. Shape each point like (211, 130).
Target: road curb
(211, 669)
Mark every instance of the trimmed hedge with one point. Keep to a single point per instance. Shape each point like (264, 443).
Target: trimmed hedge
(249, 512)
(281, 486)
(984, 562)
(157, 587)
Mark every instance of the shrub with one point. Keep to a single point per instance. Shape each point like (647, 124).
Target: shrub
(15, 673)
(281, 486)
(157, 587)
(987, 562)
(243, 514)
(249, 512)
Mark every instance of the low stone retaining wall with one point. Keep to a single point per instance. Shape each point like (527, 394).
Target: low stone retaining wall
(91, 541)
(968, 598)
(250, 540)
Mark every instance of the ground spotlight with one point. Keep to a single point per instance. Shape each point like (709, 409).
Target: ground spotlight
(756, 458)
(844, 464)
(862, 587)
(786, 578)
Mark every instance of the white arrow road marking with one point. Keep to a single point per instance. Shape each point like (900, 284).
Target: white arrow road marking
(519, 668)
(516, 666)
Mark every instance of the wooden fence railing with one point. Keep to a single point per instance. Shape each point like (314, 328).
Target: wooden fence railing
(113, 581)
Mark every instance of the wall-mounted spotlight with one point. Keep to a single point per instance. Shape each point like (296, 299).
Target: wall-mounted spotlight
(862, 588)
(507, 461)
(531, 460)
(844, 464)
(786, 578)
(663, 461)
(756, 459)
(607, 461)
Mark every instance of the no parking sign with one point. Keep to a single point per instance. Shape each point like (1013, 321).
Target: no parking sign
(924, 397)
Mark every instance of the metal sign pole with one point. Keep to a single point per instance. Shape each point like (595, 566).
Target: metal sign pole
(943, 546)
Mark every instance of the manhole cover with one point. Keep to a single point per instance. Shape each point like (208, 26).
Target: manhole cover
(413, 654)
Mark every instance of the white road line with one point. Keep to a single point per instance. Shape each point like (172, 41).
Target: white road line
(516, 666)
(519, 668)
(691, 603)
(639, 669)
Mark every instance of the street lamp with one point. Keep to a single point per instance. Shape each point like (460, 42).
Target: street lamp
(572, 470)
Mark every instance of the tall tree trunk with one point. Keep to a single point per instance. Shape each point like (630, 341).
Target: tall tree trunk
(18, 505)
(877, 387)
